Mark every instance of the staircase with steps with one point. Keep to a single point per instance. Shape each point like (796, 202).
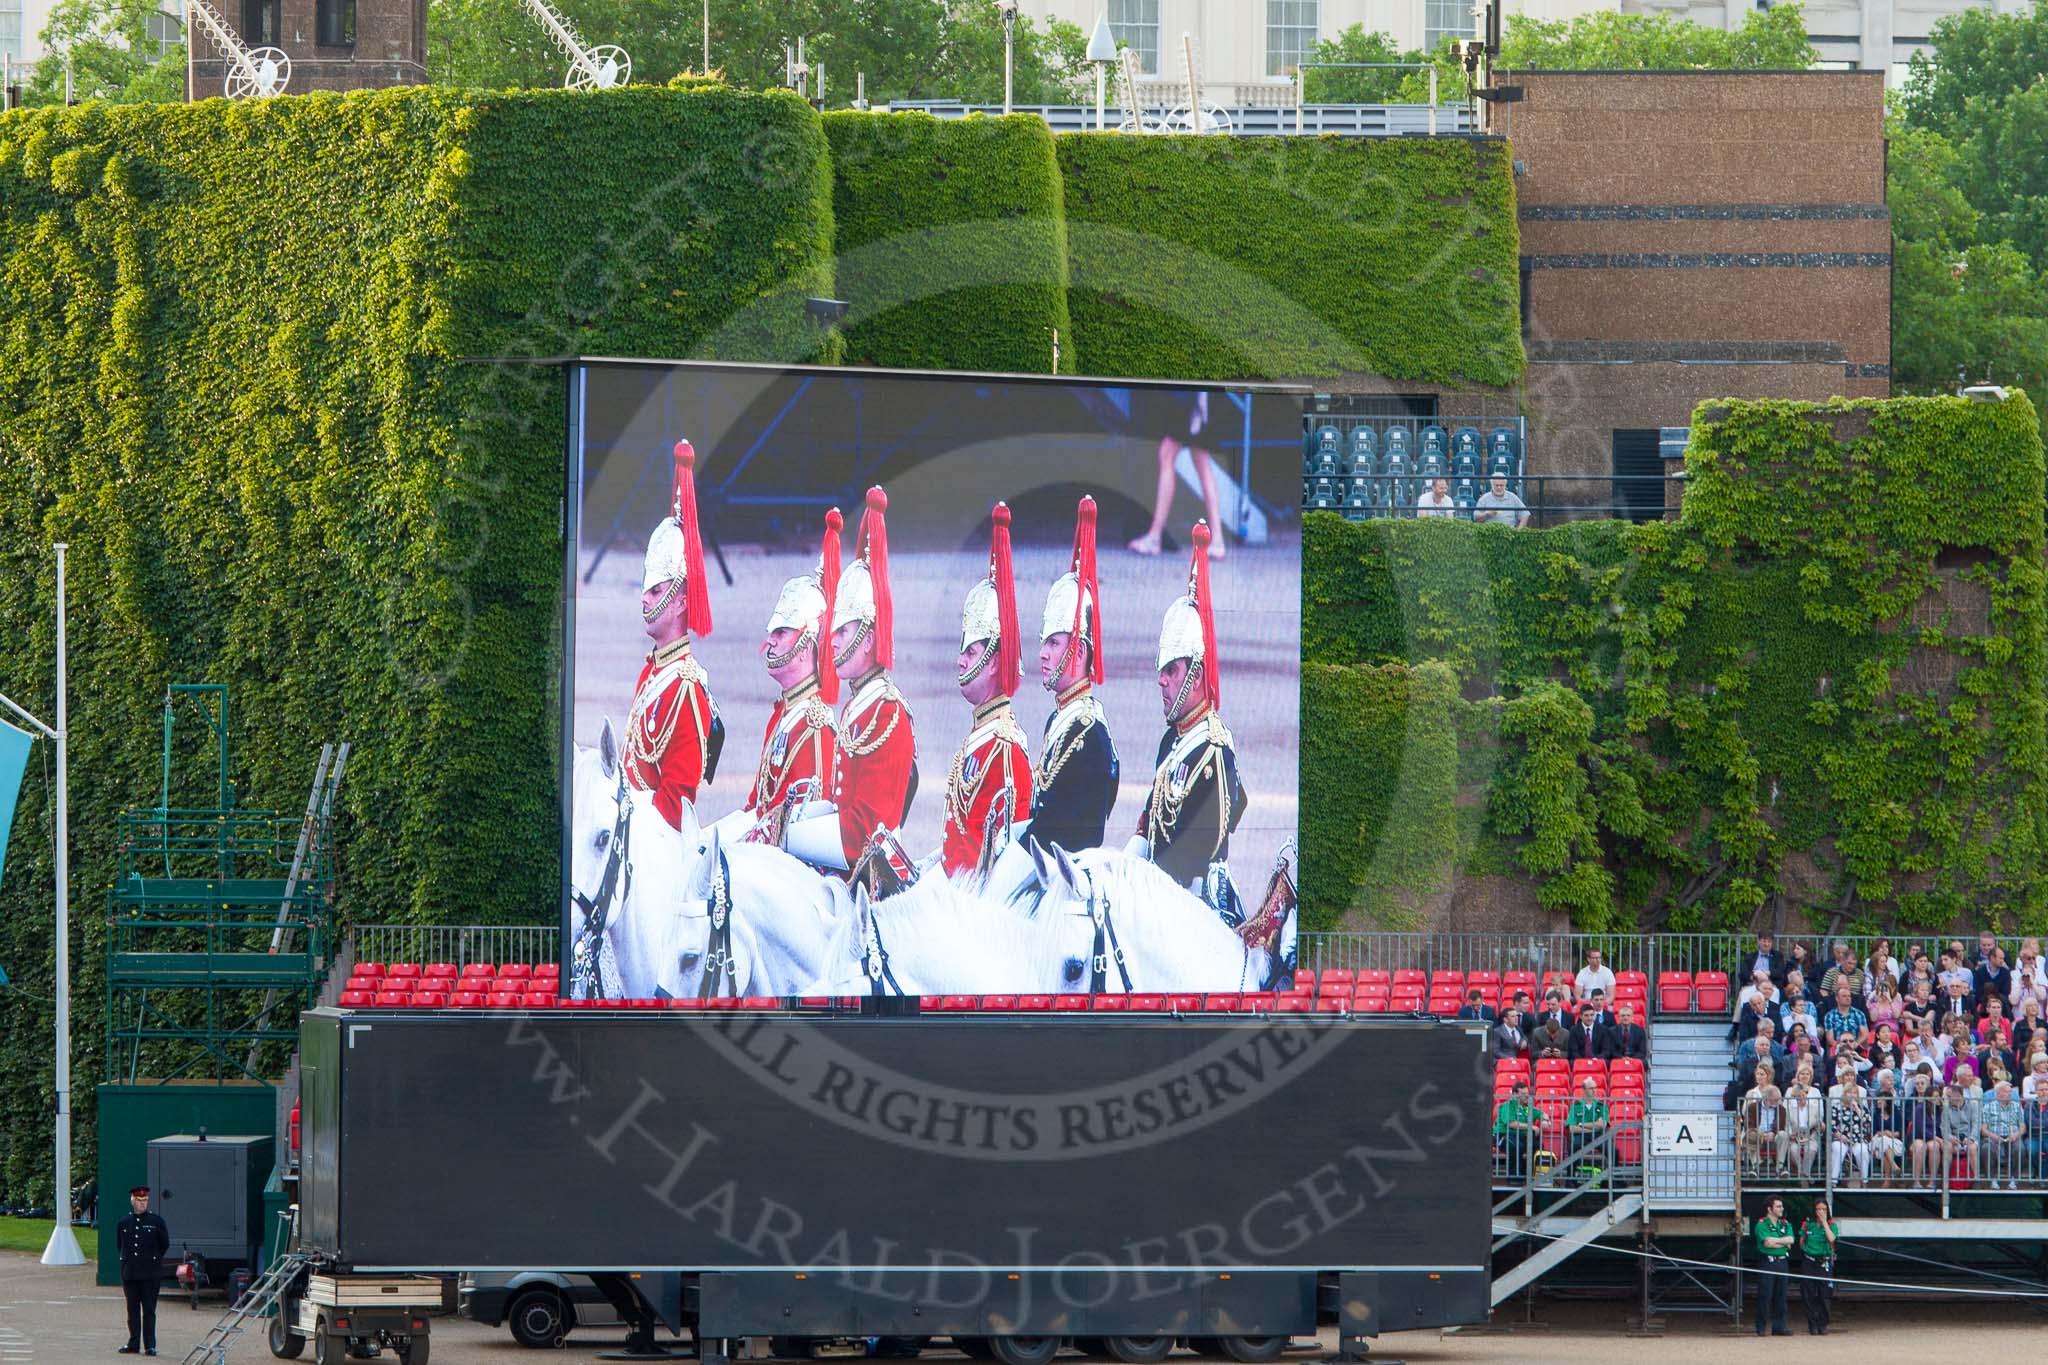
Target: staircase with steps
(1689, 1069)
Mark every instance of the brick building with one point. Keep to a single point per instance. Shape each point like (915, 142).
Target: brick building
(1689, 236)
(333, 44)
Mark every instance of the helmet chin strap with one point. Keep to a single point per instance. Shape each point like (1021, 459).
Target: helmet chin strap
(839, 657)
(661, 604)
(1187, 681)
(980, 664)
(780, 660)
(1053, 684)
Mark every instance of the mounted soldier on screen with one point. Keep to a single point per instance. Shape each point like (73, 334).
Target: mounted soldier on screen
(988, 785)
(674, 734)
(1076, 778)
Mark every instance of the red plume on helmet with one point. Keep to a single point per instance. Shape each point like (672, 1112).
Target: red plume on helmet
(1198, 589)
(1088, 594)
(696, 591)
(828, 583)
(1009, 657)
(874, 533)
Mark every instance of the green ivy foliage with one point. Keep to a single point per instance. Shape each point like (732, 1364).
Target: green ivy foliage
(1826, 682)
(267, 367)
(951, 243)
(1218, 257)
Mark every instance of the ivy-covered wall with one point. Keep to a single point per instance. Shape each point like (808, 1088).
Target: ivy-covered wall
(951, 241)
(1283, 258)
(1821, 690)
(245, 372)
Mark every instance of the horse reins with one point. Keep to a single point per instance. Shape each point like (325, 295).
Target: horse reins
(617, 880)
(875, 961)
(718, 956)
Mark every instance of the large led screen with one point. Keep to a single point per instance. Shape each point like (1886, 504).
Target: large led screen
(885, 683)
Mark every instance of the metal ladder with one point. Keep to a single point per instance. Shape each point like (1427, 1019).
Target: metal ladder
(256, 1301)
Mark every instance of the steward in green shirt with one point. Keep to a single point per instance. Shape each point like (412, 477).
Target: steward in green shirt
(1768, 1231)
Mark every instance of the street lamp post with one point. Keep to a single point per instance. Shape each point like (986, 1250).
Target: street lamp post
(707, 37)
(1101, 51)
(1008, 9)
(62, 1248)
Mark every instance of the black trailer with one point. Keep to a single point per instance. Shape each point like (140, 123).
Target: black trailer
(1007, 1181)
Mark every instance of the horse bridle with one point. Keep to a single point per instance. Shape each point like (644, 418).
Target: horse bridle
(874, 960)
(1106, 949)
(615, 884)
(720, 967)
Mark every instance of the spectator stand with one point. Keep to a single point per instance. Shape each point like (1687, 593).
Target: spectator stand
(1368, 465)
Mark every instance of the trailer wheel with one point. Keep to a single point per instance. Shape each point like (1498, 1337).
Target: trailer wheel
(1024, 1350)
(328, 1349)
(537, 1319)
(1139, 1350)
(414, 1350)
(285, 1344)
(1252, 1350)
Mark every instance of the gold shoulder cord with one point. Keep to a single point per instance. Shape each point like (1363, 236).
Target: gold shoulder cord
(1050, 770)
(959, 795)
(859, 743)
(651, 751)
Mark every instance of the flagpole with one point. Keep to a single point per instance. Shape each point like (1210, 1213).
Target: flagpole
(63, 1246)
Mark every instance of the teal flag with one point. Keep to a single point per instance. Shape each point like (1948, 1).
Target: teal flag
(14, 746)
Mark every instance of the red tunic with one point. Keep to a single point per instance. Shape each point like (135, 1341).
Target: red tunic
(798, 745)
(992, 765)
(667, 730)
(877, 755)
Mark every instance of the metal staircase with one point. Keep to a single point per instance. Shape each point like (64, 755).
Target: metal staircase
(256, 1302)
(1689, 1068)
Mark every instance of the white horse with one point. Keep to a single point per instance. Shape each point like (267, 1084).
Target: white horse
(933, 938)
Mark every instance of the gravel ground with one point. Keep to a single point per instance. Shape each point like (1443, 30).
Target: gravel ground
(58, 1315)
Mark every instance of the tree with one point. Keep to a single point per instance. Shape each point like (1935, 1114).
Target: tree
(1354, 44)
(1978, 55)
(112, 52)
(1768, 40)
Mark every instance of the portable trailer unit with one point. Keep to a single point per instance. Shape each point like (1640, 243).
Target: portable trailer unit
(1007, 1181)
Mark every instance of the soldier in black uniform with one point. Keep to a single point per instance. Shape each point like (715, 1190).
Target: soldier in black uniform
(1196, 798)
(144, 1241)
(1075, 784)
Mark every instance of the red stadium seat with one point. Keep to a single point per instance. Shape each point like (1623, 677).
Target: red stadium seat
(1110, 1003)
(470, 1000)
(1369, 1004)
(483, 969)
(439, 969)
(1483, 979)
(1034, 1002)
(1147, 1001)
(1553, 1066)
(360, 984)
(1070, 1003)
(928, 1002)
(550, 970)
(1624, 1066)
(1511, 982)
(685, 1002)
(1710, 992)
(772, 1002)
(959, 1002)
(367, 969)
(1518, 1065)
(1631, 978)
(1333, 1004)
(1185, 1004)
(1628, 1130)
(1452, 981)
(520, 969)
(357, 999)
(721, 1002)
(1219, 1003)
(407, 969)
(430, 1000)
(1295, 1004)
(1411, 976)
(1375, 978)
(1674, 992)
(1336, 981)
(539, 1000)
(506, 1000)
(1256, 1000)
(999, 1002)
(392, 999)
(819, 1002)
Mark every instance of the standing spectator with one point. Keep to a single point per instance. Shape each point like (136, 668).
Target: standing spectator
(1498, 505)
(1991, 978)
(1844, 1026)
(1774, 1250)
(1594, 977)
(1922, 1129)
(1843, 968)
(1475, 1007)
(1849, 1132)
(1508, 1038)
(1587, 1036)
(1763, 958)
(2002, 1128)
(1515, 1129)
(1585, 1124)
(1437, 502)
(1626, 1038)
(2029, 978)
(1762, 1121)
(1804, 1113)
(1817, 1241)
(1959, 1124)
(1887, 1132)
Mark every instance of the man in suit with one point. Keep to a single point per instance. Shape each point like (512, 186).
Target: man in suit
(1554, 1011)
(1473, 1008)
(1761, 1048)
(1754, 1012)
(1551, 1039)
(143, 1240)
(1991, 977)
(1603, 1012)
(1765, 958)
(1587, 1035)
(1626, 1038)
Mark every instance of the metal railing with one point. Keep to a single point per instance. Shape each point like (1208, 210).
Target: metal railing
(1937, 1145)
(1246, 120)
(460, 944)
(1549, 499)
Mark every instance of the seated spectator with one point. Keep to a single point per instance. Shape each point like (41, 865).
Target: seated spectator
(1919, 967)
(1498, 505)
(1805, 1113)
(1759, 985)
(1959, 1124)
(1796, 1010)
(1594, 976)
(1881, 962)
(1842, 969)
(1884, 1005)
(1475, 1007)
(2002, 1130)
(1966, 1079)
(1603, 1009)
(1910, 1057)
(1849, 1132)
(1524, 1006)
(1845, 1076)
(1585, 1127)
(1551, 1039)
(1556, 1009)
(1887, 1129)
(1753, 1011)
(2035, 1086)
(1764, 958)
(1991, 977)
(1799, 958)
(2029, 978)
(1883, 1053)
(1952, 970)
(1918, 1005)
(2036, 1146)
(1587, 1034)
(1508, 1038)
(1986, 941)
(2028, 1026)
(1437, 502)
(1762, 1048)
(1937, 1042)
(1801, 1050)
(1921, 1127)
(1844, 1026)
(1956, 1004)
(1516, 1129)
(1626, 1038)
(1762, 1121)
(1994, 1024)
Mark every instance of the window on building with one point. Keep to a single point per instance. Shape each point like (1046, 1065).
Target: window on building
(334, 23)
(1639, 487)
(165, 31)
(1443, 19)
(1135, 25)
(260, 23)
(1292, 27)
(12, 39)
